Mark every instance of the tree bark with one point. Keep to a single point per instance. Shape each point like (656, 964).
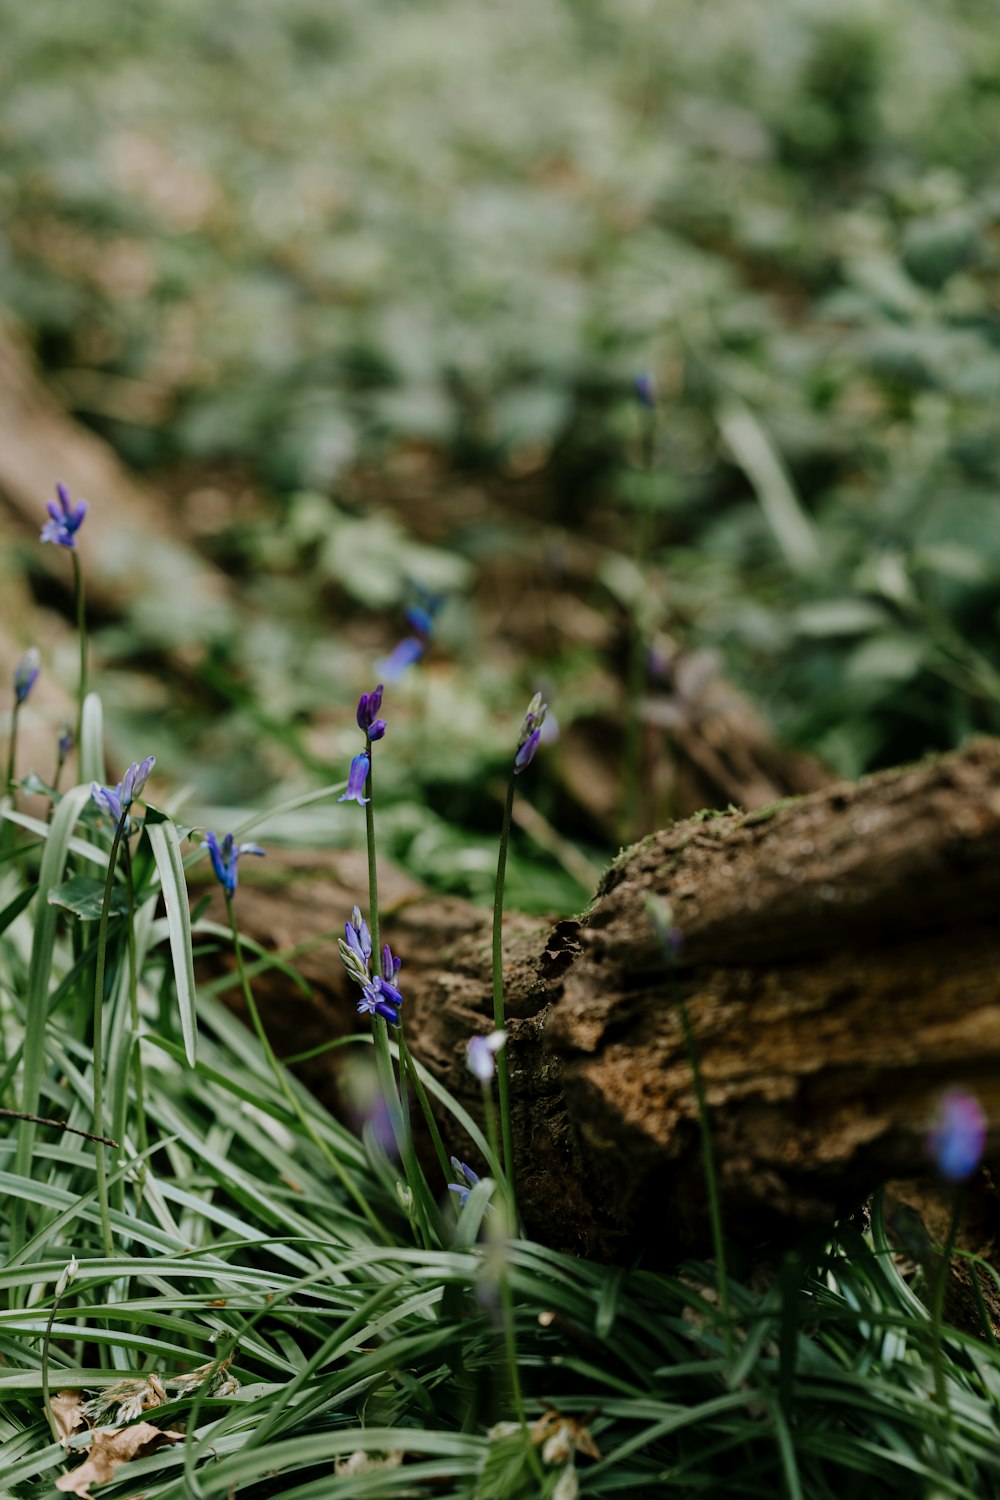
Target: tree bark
(838, 961)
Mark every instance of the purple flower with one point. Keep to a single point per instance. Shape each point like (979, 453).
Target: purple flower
(374, 1003)
(368, 720)
(409, 651)
(26, 675)
(226, 857)
(480, 1052)
(66, 742)
(360, 766)
(135, 779)
(469, 1180)
(66, 519)
(645, 390)
(108, 799)
(380, 995)
(531, 733)
(958, 1136)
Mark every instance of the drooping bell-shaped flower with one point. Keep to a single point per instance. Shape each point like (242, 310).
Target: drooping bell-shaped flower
(360, 766)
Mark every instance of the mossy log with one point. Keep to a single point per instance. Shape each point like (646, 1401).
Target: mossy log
(838, 963)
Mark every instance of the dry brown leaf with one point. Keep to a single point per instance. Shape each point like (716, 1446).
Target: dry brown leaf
(112, 1447)
(67, 1412)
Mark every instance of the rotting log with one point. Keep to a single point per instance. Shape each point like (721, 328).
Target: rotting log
(839, 966)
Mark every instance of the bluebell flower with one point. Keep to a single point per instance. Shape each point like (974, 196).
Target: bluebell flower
(645, 390)
(26, 675)
(958, 1137)
(409, 651)
(469, 1180)
(360, 766)
(226, 857)
(108, 799)
(531, 733)
(380, 995)
(135, 779)
(368, 707)
(66, 742)
(480, 1052)
(65, 519)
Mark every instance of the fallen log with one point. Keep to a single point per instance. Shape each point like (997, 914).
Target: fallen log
(838, 961)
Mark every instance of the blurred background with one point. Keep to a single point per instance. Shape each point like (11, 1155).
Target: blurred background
(334, 314)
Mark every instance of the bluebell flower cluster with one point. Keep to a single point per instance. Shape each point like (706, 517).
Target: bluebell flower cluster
(116, 800)
(26, 675)
(958, 1137)
(225, 858)
(380, 994)
(65, 519)
(531, 733)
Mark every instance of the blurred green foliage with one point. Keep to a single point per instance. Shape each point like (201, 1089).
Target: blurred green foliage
(298, 238)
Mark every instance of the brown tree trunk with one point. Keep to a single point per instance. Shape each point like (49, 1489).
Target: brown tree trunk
(838, 961)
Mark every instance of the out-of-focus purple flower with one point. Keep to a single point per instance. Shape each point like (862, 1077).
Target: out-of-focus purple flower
(644, 386)
(226, 857)
(468, 1182)
(360, 766)
(135, 779)
(65, 519)
(531, 733)
(26, 675)
(480, 1052)
(409, 651)
(368, 720)
(66, 742)
(958, 1136)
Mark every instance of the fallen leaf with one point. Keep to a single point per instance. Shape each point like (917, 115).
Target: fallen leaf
(67, 1412)
(112, 1447)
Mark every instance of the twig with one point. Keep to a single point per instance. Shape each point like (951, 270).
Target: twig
(18, 1114)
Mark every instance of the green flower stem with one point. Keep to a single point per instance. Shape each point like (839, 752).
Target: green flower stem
(418, 1088)
(98, 1032)
(393, 1091)
(636, 670)
(505, 1210)
(937, 1306)
(81, 626)
(503, 1077)
(711, 1182)
(294, 1103)
(142, 1136)
(12, 750)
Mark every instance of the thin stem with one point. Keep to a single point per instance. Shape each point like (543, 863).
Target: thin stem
(142, 1135)
(937, 1306)
(81, 626)
(711, 1183)
(425, 1105)
(330, 1157)
(12, 750)
(506, 1298)
(19, 1114)
(636, 670)
(503, 1078)
(98, 1029)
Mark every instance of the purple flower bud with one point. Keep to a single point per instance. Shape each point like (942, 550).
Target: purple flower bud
(65, 519)
(469, 1180)
(359, 939)
(66, 742)
(390, 965)
(958, 1136)
(360, 766)
(135, 779)
(387, 990)
(526, 752)
(226, 857)
(531, 733)
(26, 675)
(368, 707)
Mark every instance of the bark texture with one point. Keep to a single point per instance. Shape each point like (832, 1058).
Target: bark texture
(839, 964)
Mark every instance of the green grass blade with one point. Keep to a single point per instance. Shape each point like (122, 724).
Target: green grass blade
(166, 845)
